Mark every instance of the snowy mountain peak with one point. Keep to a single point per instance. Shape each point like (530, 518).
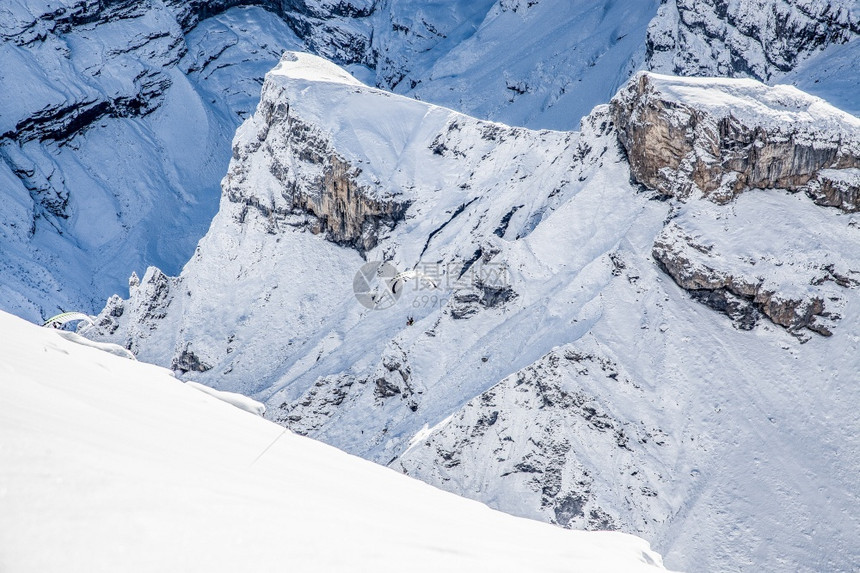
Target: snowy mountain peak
(304, 66)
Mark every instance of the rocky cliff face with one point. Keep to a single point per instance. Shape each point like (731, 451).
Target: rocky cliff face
(802, 291)
(319, 190)
(162, 76)
(687, 138)
(714, 149)
(136, 103)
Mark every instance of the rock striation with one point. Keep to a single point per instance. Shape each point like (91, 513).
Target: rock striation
(721, 138)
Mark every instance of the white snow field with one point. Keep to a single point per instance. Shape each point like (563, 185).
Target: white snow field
(108, 464)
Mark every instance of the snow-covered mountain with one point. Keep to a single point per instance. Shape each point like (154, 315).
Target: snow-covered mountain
(116, 118)
(107, 464)
(115, 124)
(650, 324)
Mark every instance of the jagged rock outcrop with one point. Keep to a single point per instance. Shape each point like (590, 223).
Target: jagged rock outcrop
(838, 188)
(388, 387)
(747, 289)
(748, 38)
(150, 297)
(318, 189)
(720, 138)
(363, 182)
(552, 434)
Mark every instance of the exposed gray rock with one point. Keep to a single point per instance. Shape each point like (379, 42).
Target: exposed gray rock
(680, 147)
(392, 378)
(746, 290)
(187, 361)
(339, 31)
(150, 298)
(542, 427)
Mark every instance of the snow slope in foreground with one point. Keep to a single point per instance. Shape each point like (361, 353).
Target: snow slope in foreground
(112, 465)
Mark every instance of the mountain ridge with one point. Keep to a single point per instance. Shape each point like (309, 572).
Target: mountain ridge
(564, 217)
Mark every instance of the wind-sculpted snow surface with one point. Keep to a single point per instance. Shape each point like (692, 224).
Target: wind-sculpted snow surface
(557, 371)
(112, 465)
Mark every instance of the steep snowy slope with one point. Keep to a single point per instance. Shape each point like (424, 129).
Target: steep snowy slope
(108, 464)
(570, 364)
